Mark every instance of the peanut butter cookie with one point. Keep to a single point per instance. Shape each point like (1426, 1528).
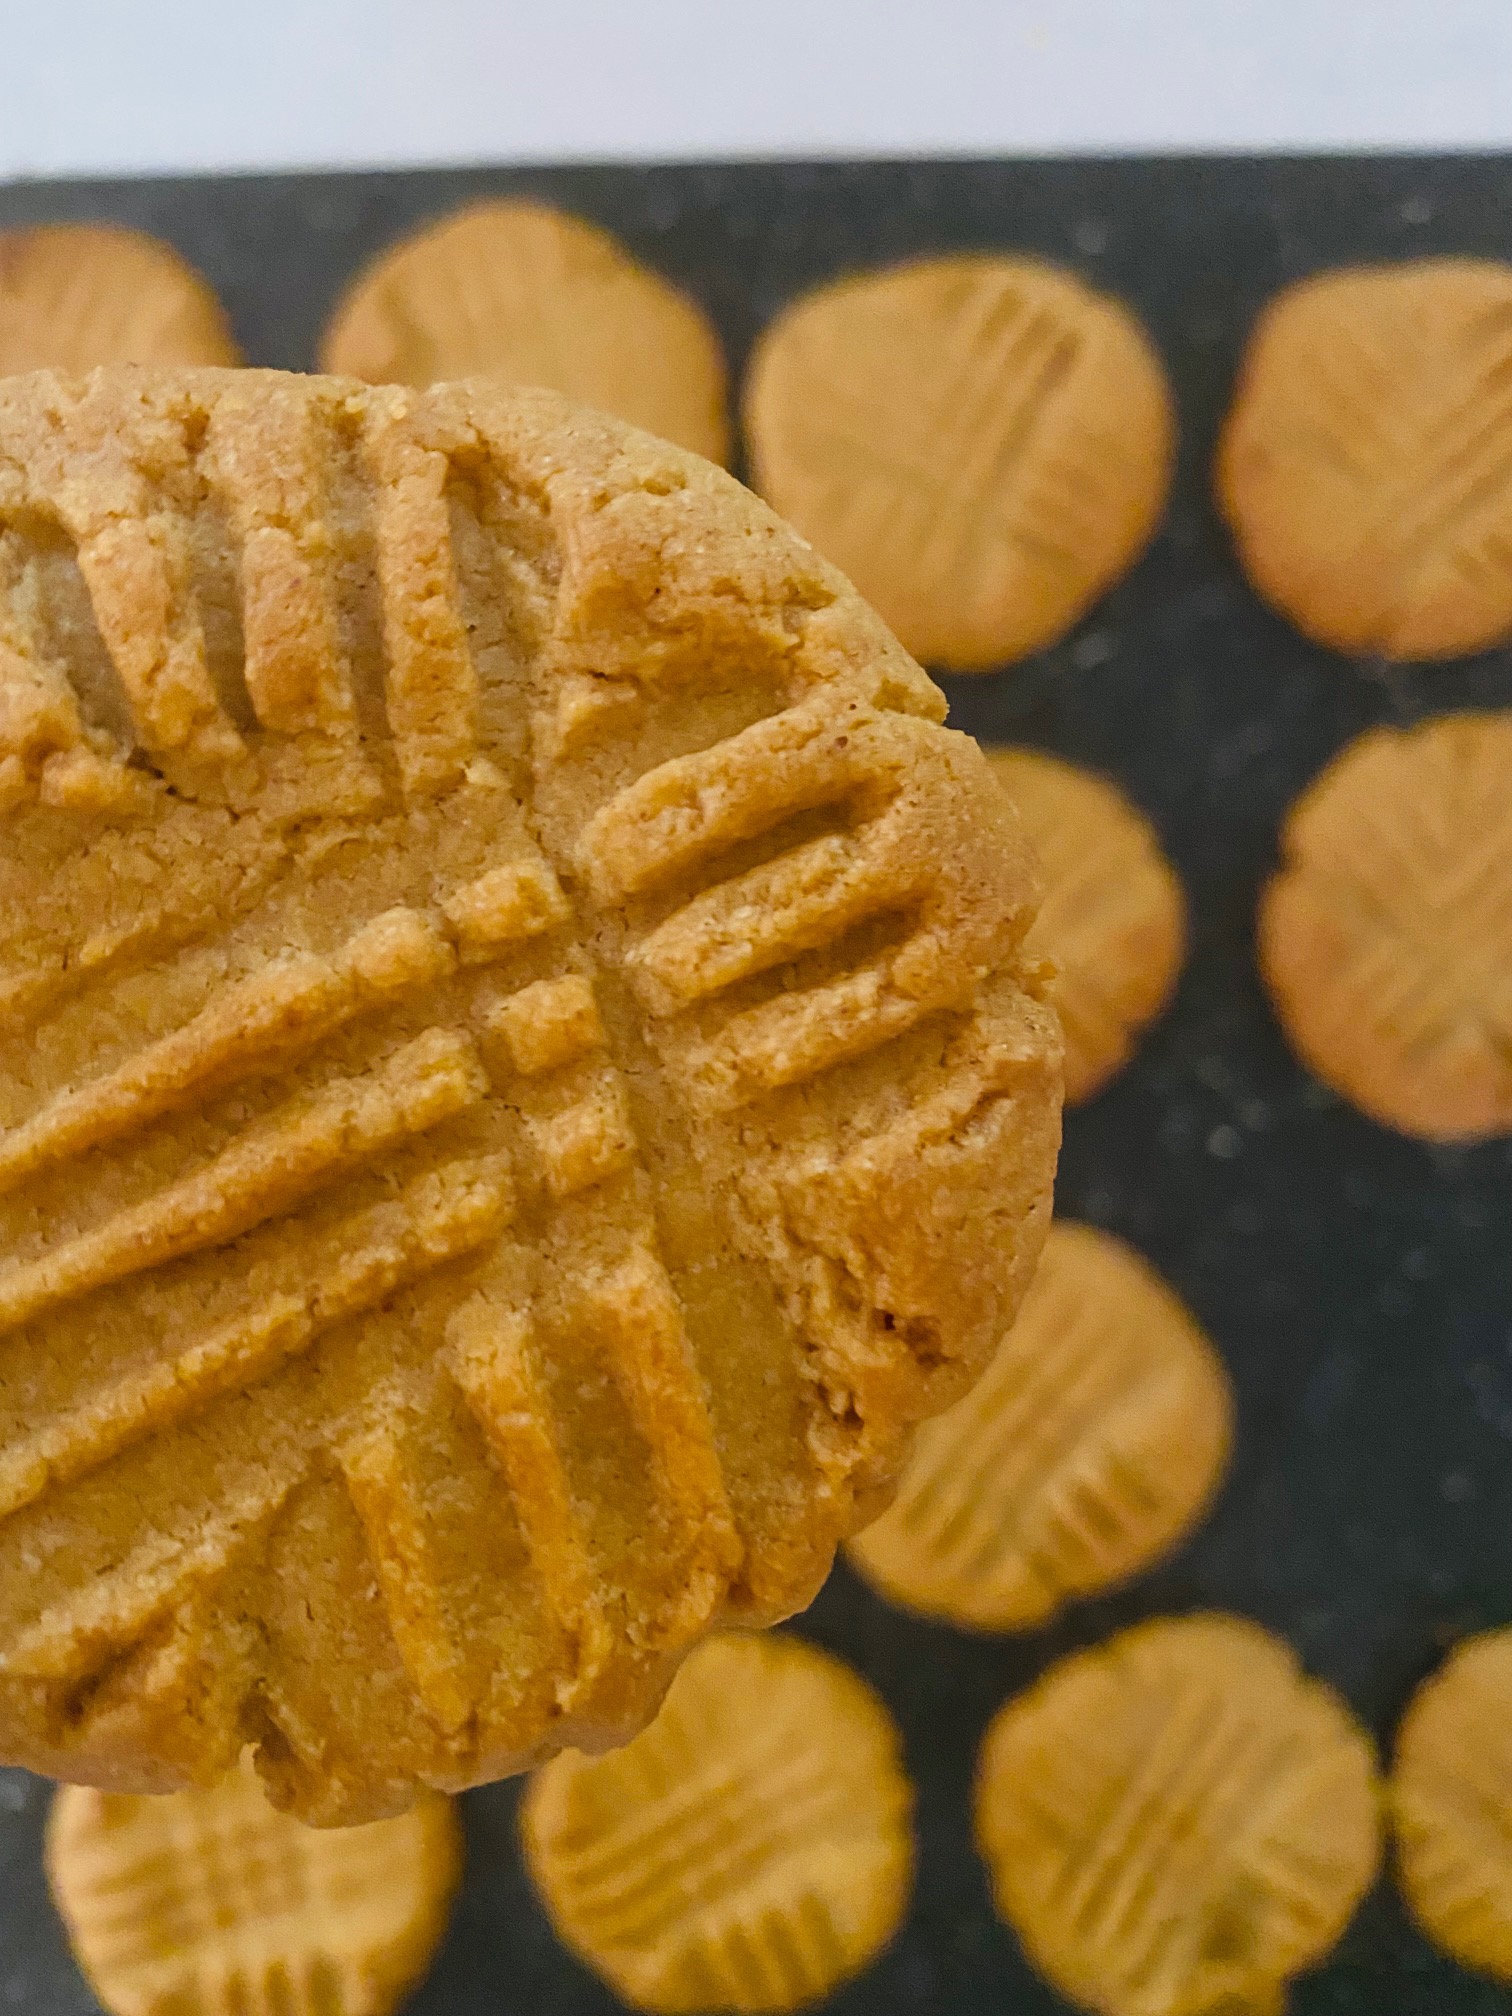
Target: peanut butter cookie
(76, 295)
(1178, 1821)
(750, 1850)
(1386, 935)
(1089, 1446)
(982, 444)
(1113, 919)
(519, 1077)
(1366, 467)
(210, 1901)
(1451, 1802)
(534, 297)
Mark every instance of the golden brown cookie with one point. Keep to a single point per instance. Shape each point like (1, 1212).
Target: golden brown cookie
(1113, 919)
(1178, 1821)
(1366, 466)
(1386, 934)
(1451, 1804)
(750, 1850)
(534, 297)
(1090, 1445)
(211, 1901)
(76, 295)
(513, 1099)
(982, 444)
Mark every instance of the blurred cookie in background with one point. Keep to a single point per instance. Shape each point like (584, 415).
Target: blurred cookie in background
(1093, 1442)
(1366, 465)
(527, 294)
(983, 444)
(1385, 936)
(750, 1850)
(1178, 1821)
(1113, 918)
(206, 1902)
(76, 295)
(1451, 1804)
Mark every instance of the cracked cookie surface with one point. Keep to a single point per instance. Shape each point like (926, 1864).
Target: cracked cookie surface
(519, 1080)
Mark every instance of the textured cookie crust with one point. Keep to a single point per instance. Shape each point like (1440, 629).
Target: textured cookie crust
(982, 444)
(210, 1901)
(1178, 1821)
(1366, 466)
(1090, 1445)
(534, 297)
(76, 295)
(1113, 918)
(513, 1099)
(750, 1850)
(1451, 1804)
(1386, 936)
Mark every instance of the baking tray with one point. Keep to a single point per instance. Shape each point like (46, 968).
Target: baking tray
(1359, 1285)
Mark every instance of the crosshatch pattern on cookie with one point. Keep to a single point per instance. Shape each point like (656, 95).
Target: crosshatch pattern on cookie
(1091, 1443)
(1385, 936)
(537, 297)
(1366, 466)
(1113, 921)
(1178, 1819)
(210, 1900)
(496, 953)
(982, 444)
(750, 1850)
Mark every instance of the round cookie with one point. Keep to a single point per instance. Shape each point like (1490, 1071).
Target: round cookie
(1366, 466)
(1451, 1804)
(1179, 1820)
(1113, 919)
(750, 1850)
(1385, 937)
(982, 444)
(519, 1077)
(210, 1900)
(534, 297)
(76, 295)
(1090, 1445)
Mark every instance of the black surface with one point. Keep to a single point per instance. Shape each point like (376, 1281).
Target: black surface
(1359, 1285)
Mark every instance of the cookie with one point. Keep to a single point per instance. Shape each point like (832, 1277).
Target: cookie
(750, 1850)
(534, 297)
(519, 1076)
(1385, 936)
(1451, 1804)
(1178, 1821)
(209, 1901)
(982, 444)
(76, 295)
(1366, 466)
(1113, 919)
(1089, 1446)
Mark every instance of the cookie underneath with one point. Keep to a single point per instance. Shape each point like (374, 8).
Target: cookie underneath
(210, 1901)
(1178, 1820)
(750, 1850)
(982, 444)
